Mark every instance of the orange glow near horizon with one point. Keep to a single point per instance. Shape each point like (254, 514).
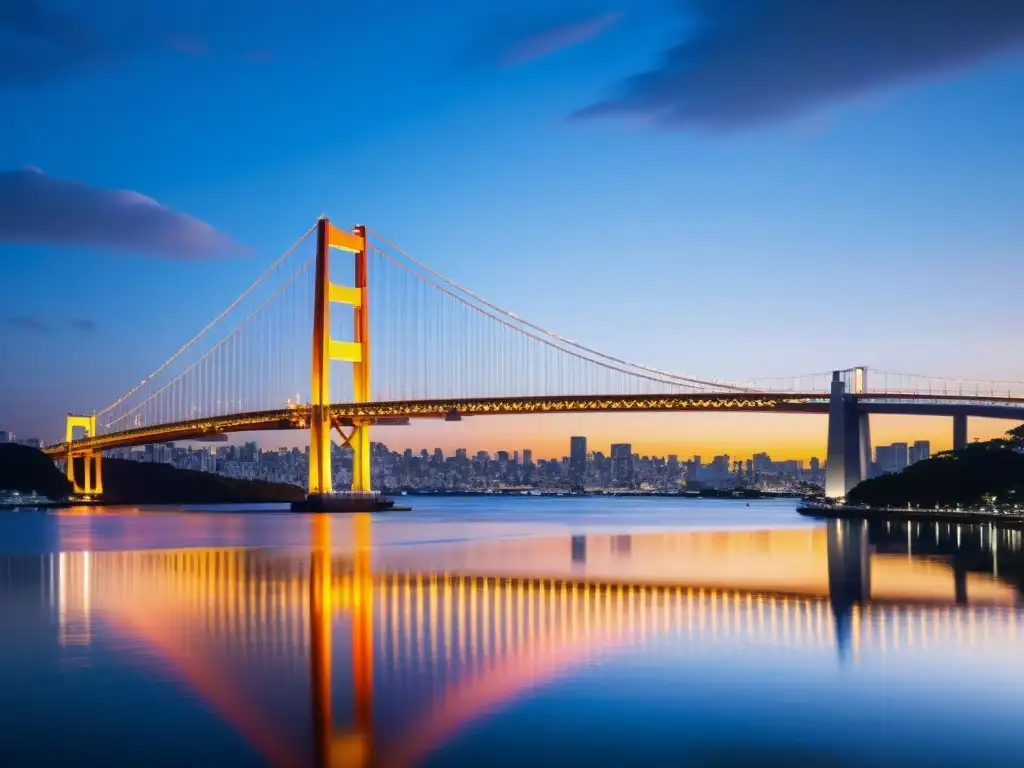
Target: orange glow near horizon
(706, 434)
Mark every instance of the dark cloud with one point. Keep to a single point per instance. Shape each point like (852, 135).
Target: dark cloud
(27, 323)
(82, 324)
(514, 42)
(746, 62)
(37, 209)
(39, 43)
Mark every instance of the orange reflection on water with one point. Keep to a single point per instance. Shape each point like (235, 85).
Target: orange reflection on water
(444, 633)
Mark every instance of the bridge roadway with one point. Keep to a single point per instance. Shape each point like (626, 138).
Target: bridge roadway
(398, 412)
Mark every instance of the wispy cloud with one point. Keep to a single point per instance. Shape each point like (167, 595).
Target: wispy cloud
(187, 45)
(27, 323)
(259, 55)
(34, 324)
(748, 62)
(552, 39)
(37, 209)
(513, 42)
(82, 324)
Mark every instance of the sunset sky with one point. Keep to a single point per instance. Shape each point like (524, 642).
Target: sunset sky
(729, 188)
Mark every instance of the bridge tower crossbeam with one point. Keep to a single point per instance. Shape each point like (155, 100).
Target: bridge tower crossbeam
(326, 349)
(92, 461)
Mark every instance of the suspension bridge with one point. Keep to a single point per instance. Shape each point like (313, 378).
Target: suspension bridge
(441, 351)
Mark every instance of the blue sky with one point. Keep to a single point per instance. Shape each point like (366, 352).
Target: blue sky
(733, 189)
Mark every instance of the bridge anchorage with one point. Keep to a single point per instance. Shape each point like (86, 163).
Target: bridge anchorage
(442, 352)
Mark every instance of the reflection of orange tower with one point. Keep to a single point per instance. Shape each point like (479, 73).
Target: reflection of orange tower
(352, 748)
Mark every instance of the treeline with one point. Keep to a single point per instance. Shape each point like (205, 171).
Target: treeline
(27, 469)
(982, 473)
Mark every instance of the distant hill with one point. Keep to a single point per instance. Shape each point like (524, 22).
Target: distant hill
(27, 469)
(980, 473)
(128, 482)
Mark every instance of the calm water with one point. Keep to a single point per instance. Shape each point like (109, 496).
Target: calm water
(507, 632)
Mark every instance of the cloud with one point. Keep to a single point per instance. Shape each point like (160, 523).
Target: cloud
(187, 45)
(27, 323)
(551, 39)
(38, 43)
(259, 55)
(82, 324)
(36, 209)
(748, 62)
(33, 324)
(513, 43)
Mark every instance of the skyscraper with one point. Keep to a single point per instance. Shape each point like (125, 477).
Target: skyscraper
(920, 451)
(901, 451)
(622, 462)
(887, 457)
(527, 457)
(577, 457)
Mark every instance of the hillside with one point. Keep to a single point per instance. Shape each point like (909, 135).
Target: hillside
(980, 473)
(27, 469)
(127, 482)
(130, 482)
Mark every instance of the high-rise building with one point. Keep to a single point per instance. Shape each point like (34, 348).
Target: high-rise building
(693, 470)
(622, 462)
(7, 437)
(815, 464)
(527, 457)
(720, 466)
(577, 457)
(885, 458)
(502, 457)
(920, 451)
(902, 452)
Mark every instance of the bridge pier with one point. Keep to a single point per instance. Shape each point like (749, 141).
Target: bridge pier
(849, 441)
(959, 431)
(92, 461)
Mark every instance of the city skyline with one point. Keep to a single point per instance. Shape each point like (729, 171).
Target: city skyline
(746, 224)
(556, 437)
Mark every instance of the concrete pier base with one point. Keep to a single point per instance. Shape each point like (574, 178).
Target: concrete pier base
(849, 441)
(343, 502)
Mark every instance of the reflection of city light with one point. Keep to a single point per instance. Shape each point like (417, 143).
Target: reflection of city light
(479, 639)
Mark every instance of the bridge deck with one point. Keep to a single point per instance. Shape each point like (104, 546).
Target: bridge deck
(754, 402)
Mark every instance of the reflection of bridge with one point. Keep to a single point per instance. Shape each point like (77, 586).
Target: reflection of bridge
(431, 650)
(443, 352)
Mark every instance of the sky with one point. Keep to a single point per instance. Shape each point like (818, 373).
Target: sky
(733, 188)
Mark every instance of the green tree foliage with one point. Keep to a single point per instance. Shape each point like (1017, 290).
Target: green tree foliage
(977, 474)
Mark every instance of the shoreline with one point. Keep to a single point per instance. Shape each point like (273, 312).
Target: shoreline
(911, 515)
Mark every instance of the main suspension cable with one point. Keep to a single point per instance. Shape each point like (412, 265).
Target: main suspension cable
(210, 325)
